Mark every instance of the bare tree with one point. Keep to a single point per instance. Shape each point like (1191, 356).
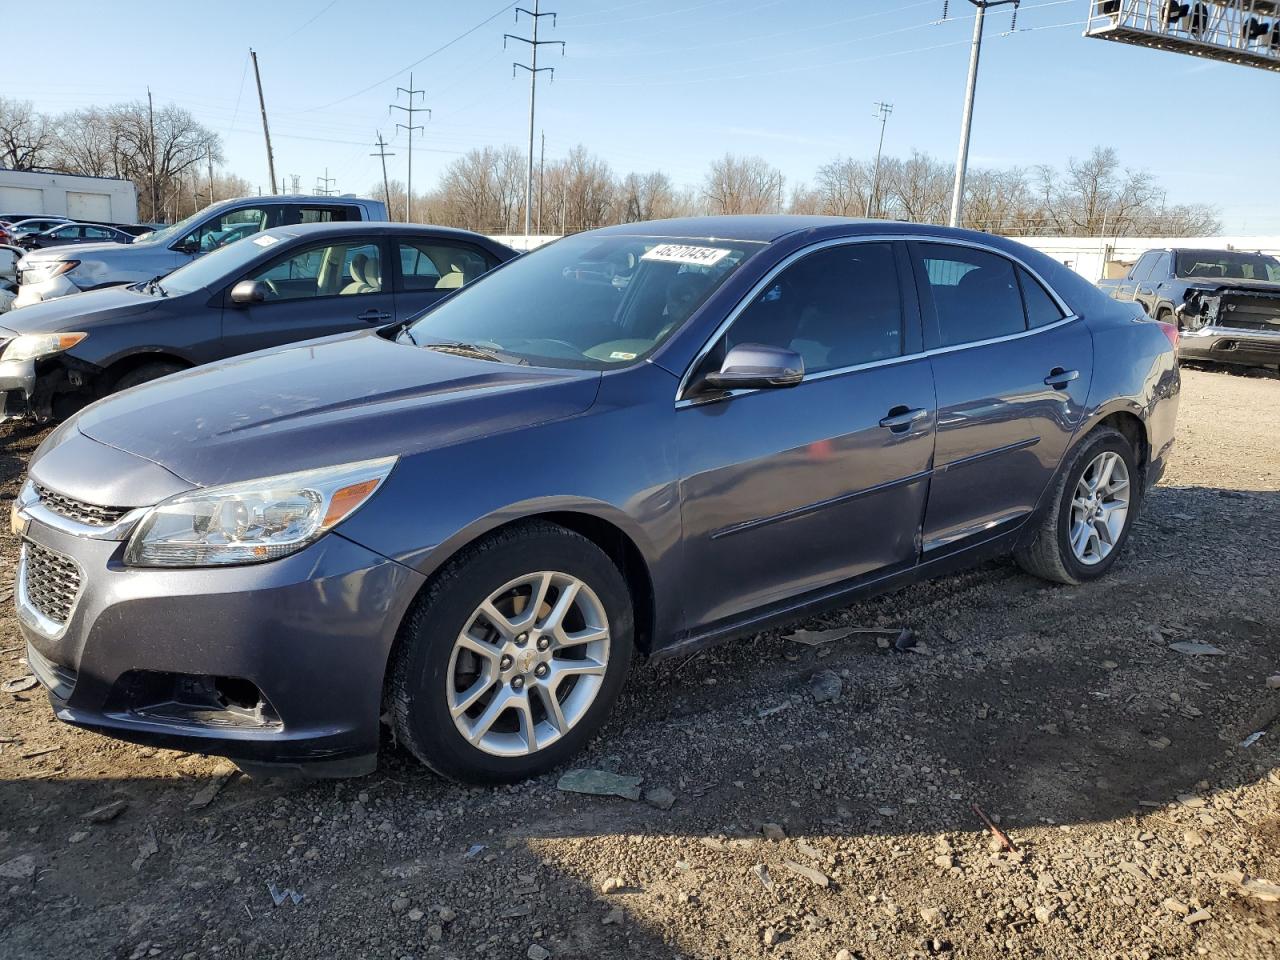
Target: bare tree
(919, 188)
(844, 187)
(26, 137)
(743, 185)
(649, 196)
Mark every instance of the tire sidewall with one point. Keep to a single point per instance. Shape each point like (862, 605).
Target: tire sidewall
(424, 673)
(1116, 443)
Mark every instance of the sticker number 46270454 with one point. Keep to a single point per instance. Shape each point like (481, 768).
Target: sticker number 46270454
(686, 253)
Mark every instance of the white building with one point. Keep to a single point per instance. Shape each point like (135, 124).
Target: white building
(91, 199)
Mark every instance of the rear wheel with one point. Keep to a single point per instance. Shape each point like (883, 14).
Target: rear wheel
(145, 374)
(1093, 507)
(512, 659)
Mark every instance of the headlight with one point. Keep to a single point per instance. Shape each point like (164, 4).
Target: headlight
(254, 521)
(43, 270)
(33, 346)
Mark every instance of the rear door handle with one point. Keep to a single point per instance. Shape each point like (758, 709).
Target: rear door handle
(1059, 378)
(900, 419)
(373, 316)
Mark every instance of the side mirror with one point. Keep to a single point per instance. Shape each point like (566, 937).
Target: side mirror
(249, 291)
(189, 247)
(754, 366)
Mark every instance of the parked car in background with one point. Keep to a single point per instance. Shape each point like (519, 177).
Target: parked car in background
(286, 284)
(49, 274)
(73, 233)
(1226, 303)
(469, 523)
(9, 257)
(16, 230)
(139, 229)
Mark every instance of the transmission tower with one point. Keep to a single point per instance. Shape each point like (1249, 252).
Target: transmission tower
(536, 16)
(409, 127)
(322, 184)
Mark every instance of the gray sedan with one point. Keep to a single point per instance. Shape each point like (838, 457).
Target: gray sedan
(645, 439)
(278, 286)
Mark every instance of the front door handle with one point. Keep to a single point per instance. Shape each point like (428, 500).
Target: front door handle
(1059, 378)
(373, 316)
(900, 419)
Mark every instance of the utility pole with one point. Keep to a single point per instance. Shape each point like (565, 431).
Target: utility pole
(151, 120)
(966, 125)
(542, 178)
(410, 127)
(325, 191)
(536, 16)
(386, 184)
(296, 183)
(210, 155)
(266, 132)
(883, 111)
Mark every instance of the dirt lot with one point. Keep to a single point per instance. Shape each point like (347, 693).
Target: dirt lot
(1112, 760)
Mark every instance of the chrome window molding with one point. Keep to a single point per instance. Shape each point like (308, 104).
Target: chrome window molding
(759, 288)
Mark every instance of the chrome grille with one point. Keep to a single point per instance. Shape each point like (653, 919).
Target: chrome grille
(51, 581)
(78, 510)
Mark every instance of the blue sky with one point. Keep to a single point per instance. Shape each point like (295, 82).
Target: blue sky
(672, 84)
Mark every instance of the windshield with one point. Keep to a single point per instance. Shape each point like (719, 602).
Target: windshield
(217, 266)
(1219, 264)
(588, 302)
(178, 229)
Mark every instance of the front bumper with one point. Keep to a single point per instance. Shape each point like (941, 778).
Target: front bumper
(29, 293)
(145, 654)
(17, 385)
(1231, 345)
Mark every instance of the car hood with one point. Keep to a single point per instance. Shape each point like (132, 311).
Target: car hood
(81, 312)
(73, 251)
(337, 400)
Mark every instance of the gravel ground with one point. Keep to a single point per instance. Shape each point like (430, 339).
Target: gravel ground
(835, 829)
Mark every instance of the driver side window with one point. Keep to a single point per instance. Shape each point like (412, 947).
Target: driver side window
(838, 307)
(327, 270)
(229, 227)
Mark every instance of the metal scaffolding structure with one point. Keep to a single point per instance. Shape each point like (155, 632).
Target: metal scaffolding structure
(1244, 32)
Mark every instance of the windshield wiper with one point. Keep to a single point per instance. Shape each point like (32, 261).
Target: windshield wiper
(152, 286)
(474, 351)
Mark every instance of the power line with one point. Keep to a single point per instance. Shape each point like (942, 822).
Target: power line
(440, 49)
(534, 43)
(325, 9)
(409, 128)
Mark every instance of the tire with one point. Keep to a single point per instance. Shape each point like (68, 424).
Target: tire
(428, 666)
(1050, 554)
(146, 373)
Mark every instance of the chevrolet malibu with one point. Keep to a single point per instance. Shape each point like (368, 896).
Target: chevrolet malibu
(642, 439)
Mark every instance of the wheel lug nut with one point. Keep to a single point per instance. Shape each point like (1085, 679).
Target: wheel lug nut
(544, 642)
(541, 670)
(517, 683)
(506, 662)
(522, 640)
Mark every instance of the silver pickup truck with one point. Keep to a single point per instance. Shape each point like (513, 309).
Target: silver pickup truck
(59, 271)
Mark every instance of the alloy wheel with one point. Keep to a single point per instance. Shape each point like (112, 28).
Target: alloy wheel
(528, 664)
(1099, 508)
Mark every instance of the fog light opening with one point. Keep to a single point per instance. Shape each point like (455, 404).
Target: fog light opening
(238, 692)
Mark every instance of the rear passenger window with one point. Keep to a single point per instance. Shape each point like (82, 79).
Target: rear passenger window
(975, 293)
(427, 265)
(836, 308)
(335, 214)
(1042, 309)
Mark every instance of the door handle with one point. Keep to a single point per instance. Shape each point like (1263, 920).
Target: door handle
(900, 418)
(373, 316)
(1059, 378)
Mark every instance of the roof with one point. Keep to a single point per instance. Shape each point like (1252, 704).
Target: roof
(378, 226)
(766, 228)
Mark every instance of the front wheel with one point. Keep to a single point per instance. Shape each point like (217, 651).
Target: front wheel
(1093, 507)
(513, 657)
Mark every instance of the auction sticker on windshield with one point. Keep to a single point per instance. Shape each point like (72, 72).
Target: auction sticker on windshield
(687, 254)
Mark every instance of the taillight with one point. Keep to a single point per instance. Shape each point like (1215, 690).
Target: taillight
(1170, 330)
